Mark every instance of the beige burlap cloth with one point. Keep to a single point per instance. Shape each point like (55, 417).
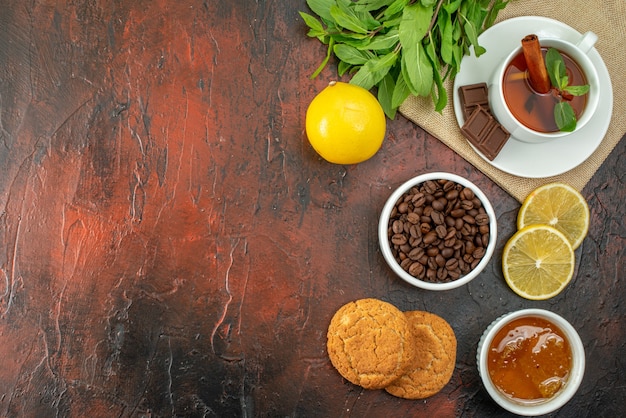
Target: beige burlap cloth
(607, 18)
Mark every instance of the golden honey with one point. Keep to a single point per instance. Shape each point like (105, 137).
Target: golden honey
(529, 359)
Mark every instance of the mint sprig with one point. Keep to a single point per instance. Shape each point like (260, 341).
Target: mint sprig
(564, 114)
(400, 47)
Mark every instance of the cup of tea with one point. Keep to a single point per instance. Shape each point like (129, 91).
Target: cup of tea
(529, 115)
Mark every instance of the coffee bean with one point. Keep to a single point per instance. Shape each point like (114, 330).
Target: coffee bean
(452, 264)
(405, 248)
(447, 252)
(449, 185)
(406, 263)
(418, 199)
(478, 252)
(398, 226)
(467, 204)
(432, 264)
(399, 239)
(458, 213)
(441, 231)
(452, 194)
(482, 219)
(415, 269)
(450, 242)
(485, 239)
(413, 218)
(454, 274)
(465, 267)
(469, 219)
(467, 194)
(416, 253)
(466, 230)
(414, 242)
(430, 237)
(430, 187)
(437, 217)
(438, 205)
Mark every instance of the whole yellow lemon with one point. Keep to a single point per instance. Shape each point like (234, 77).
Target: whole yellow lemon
(345, 124)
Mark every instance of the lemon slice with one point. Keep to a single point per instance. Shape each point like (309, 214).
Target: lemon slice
(558, 205)
(538, 262)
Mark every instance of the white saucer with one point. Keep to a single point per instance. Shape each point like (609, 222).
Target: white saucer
(555, 156)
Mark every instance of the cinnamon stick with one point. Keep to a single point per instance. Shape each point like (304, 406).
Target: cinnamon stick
(537, 71)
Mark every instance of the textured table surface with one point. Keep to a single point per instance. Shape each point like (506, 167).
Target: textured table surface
(172, 246)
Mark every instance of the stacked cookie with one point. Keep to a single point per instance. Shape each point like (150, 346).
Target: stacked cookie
(373, 344)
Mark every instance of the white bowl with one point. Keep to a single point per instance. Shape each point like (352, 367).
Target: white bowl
(563, 395)
(384, 240)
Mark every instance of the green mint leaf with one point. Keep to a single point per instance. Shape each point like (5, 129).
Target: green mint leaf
(357, 40)
(343, 67)
(385, 94)
(493, 12)
(565, 117)
(374, 70)
(351, 55)
(347, 18)
(438, 92)
(428, 3)
(418, 72)
(321, 8)
(316, 28)
(400, 92)
(368, 20)
(371, 5)
(394, 8)
(447, 44)
(577, 90)
(555, 65)
(472, 33)
(384, 41)
(452, 6)
(414, 24)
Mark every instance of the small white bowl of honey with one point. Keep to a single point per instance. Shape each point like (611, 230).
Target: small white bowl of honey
(531, 361)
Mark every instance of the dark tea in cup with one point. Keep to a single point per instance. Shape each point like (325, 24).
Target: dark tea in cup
(524, 101)
(531, 108)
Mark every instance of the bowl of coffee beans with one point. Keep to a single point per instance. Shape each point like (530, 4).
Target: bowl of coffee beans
(437, 231)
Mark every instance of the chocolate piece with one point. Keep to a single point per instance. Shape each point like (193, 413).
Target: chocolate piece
(485, 133)
(473, 95)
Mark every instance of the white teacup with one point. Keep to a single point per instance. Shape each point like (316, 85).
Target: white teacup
(578, 51)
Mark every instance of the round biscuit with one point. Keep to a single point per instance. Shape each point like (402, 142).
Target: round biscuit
(435, 361)
(370, 343)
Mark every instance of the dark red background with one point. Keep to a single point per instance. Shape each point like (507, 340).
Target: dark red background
(172, 246)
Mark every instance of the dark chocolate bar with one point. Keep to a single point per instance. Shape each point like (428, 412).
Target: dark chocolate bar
(485, 133)
(473, 95)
